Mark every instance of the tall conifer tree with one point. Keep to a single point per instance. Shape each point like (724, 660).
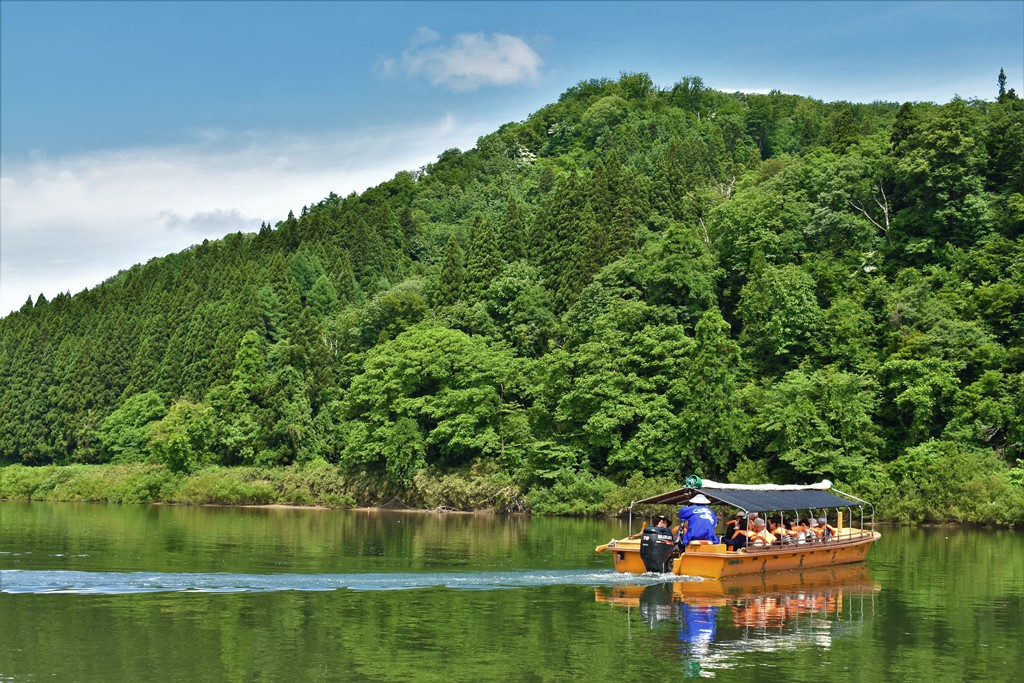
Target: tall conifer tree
(450, 277)
(483, 260)
(514, 233)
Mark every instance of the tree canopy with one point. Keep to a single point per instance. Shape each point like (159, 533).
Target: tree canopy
(634, 281)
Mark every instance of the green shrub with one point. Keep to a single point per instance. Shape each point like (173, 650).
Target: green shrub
(572, 493)
(314, 483)
(18, 482)
(945, 481)
(134, 483)
(750, 472)
(484, 486)
(225, 486)
(373, 489)
(149, 484)
(637, 487)
(49, 485)
(80, 484)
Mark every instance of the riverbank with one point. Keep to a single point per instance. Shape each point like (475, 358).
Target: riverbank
(139, 483)
(479, 488)
(474, 490)
(310, 485)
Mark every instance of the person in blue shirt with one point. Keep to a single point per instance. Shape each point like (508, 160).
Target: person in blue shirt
(697, 521)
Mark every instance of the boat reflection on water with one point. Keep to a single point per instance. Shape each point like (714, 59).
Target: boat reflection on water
(719, 621)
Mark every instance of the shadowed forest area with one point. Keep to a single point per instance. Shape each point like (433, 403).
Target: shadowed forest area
(634, 284)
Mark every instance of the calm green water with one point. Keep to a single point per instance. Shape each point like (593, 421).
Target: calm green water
(127, 593)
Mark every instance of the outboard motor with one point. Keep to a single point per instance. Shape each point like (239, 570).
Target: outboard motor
(656, 546)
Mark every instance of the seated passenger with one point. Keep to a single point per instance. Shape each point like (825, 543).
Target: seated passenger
(790, 532)
(760, 536)
(798, 532)
(661, 522)
(733, 537)
(828, 532)
(778, 530)
(737, 522)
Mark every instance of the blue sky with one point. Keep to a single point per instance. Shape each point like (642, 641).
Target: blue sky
(133, 130)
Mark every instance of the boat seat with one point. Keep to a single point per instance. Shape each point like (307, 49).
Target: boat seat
(706, 547)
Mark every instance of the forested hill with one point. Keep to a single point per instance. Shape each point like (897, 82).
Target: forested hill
(632, 285)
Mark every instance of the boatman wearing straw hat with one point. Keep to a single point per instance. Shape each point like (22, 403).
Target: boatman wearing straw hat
(697, 521)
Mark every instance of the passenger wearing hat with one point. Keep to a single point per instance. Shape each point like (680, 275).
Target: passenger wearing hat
(813, 530)
(759, 535)
(697, 521)
(827, 530)
(734, 538)
(661, 521)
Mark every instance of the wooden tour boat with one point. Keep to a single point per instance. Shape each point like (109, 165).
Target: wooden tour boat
(653, 549)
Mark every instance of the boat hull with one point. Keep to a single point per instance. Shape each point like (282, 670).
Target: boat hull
(715, 562)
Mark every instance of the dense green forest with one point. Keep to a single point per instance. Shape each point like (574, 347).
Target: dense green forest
(634, 284)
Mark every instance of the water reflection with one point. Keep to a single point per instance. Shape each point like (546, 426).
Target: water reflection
(720, 623)
(173, 539)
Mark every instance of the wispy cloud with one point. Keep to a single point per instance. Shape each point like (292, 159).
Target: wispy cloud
(71, 223)
(218, 221)
(469, 61)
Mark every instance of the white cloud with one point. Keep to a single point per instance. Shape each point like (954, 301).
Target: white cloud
(70, 223)
(386, 65)
(471, 60)
(425, 36)
(218, 221)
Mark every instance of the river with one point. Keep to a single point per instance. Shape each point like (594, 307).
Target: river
(162, 593)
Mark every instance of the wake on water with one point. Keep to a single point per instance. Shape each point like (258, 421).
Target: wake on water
(17, 581)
